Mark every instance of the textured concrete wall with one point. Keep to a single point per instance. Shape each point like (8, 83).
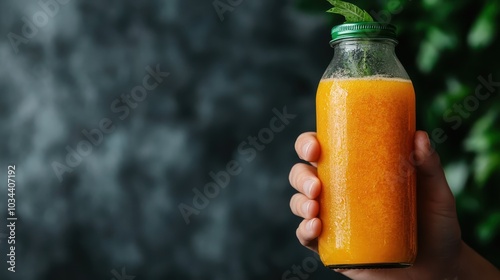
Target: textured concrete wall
(89, 206)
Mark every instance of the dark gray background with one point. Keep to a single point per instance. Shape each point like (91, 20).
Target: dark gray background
(118, 208)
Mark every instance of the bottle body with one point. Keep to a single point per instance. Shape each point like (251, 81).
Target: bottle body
(365, 126)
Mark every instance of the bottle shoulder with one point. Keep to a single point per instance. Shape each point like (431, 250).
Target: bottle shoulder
(365, 59)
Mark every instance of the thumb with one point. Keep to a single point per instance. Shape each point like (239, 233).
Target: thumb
(438, 228)
(432, 187)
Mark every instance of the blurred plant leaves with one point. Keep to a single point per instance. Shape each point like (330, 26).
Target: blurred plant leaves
(484, 165)
(456, 174)
(484, 29)
(478, 140)
(437, 41)
(482, 140)
(454, 93)
(490, 227)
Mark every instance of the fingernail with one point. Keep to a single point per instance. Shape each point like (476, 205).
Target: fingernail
(308, 187)
(310, 225)
(428, 141)
(306, 148)
(305, 208)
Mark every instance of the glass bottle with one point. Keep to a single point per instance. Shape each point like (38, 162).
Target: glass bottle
(365, 109)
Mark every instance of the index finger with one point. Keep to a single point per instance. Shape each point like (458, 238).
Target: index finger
(307, 147)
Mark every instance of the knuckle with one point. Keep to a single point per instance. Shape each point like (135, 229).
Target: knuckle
(293, 173)
(300, 237)
(295, 203)
(299, 174)
(292, 202)
(297, 144)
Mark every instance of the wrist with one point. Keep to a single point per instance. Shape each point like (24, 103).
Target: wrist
(462, 259)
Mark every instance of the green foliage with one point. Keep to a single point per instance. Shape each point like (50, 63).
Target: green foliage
(436, 41)
(487, 229)
(449, 49)
(351, 12)
(484, 29)
(482, 141)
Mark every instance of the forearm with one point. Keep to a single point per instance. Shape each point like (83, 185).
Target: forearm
(474, 266)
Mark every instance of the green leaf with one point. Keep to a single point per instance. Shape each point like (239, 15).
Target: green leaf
(436, 41)
(487, 230)
(484, 29)
(351, 12)
(456, 174)
(479, 139)
(484, 166)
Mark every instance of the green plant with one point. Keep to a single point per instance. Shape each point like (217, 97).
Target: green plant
(351, 12)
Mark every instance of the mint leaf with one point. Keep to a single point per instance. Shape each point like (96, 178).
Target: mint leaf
(351, 12)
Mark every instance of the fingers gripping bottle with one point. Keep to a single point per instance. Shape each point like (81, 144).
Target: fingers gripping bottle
(365, 109)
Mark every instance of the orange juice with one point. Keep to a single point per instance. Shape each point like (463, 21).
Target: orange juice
(366, 128)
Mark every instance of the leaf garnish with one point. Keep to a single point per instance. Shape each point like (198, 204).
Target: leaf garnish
(351, 12)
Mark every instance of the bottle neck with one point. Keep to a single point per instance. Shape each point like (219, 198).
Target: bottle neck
(363, 57)
(383, 47)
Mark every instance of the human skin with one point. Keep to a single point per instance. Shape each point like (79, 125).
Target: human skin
(441, 252)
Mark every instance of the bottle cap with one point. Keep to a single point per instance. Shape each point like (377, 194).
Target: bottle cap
(357, 30)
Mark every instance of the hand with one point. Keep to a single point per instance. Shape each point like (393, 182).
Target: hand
(439, 239)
